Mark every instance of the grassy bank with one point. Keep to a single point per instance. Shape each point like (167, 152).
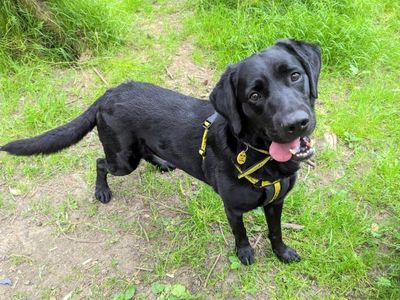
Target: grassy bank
(61, 31)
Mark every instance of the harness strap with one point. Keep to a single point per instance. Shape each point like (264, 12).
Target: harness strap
(262, 183)
(256, 149)
(206, 125)
(277, 188)
(254, 167)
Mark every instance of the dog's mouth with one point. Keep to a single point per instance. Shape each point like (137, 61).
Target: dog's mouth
(299, 149)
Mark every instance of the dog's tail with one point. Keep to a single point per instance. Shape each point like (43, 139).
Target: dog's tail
(58, 138)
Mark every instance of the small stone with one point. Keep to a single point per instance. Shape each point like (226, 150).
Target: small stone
(27, 282)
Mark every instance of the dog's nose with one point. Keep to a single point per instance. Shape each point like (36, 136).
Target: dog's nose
(296, 123)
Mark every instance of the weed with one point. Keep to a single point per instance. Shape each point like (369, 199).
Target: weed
(126, 295)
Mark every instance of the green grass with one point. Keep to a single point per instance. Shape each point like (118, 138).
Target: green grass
(341, 252)
(62, 30)
(348, 206)
(354, 35)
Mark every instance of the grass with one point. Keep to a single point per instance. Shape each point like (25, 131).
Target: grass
(346, 30)
(62, 30)
(348, 206)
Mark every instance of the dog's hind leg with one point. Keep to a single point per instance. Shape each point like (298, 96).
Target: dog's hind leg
(123, 154)
(102, 192)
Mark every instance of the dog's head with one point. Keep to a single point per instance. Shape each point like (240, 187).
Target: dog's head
(271, 95)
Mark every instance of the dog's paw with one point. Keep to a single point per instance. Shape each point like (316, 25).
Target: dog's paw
(166, 167)
(104, 195)
(287, 254)
(245, 255)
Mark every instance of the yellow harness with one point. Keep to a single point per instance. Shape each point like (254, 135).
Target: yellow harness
(241, 158)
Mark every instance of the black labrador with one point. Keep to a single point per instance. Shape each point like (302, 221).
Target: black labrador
(258, 122)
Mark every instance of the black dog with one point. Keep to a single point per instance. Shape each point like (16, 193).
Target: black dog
(258, 122)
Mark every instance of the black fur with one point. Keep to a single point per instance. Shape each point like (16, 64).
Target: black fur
(141, 121)
(59, 138)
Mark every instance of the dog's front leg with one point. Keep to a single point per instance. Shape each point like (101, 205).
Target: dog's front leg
(273, 214)
(244, 251)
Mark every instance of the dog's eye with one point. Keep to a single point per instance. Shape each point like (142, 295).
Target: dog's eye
(295, 76)
(254, 97)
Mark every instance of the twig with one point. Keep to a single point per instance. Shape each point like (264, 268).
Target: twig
(164, 205)
(144, 231)
(222, 233)
(87, 261)
(15, 283)
(169, 73)
(174, 209)
(143, 269)
(14, 217)
(100, 76)
(40, 271)
(257, 240)
(29, 194)
(76, 239)
(81, 241)
(211, 270)
(308, 172)
(71, 102)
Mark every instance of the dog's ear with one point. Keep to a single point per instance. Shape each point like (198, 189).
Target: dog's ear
(224, 99)
(309, 56)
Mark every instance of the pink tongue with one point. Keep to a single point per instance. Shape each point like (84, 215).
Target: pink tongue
(280, 152)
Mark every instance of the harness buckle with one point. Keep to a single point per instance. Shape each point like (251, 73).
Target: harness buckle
(206, 124)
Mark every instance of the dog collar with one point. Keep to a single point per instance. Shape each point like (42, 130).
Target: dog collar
(241, 159)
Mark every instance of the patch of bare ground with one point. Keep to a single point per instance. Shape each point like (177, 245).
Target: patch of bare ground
(63, 250)
(187, 76)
